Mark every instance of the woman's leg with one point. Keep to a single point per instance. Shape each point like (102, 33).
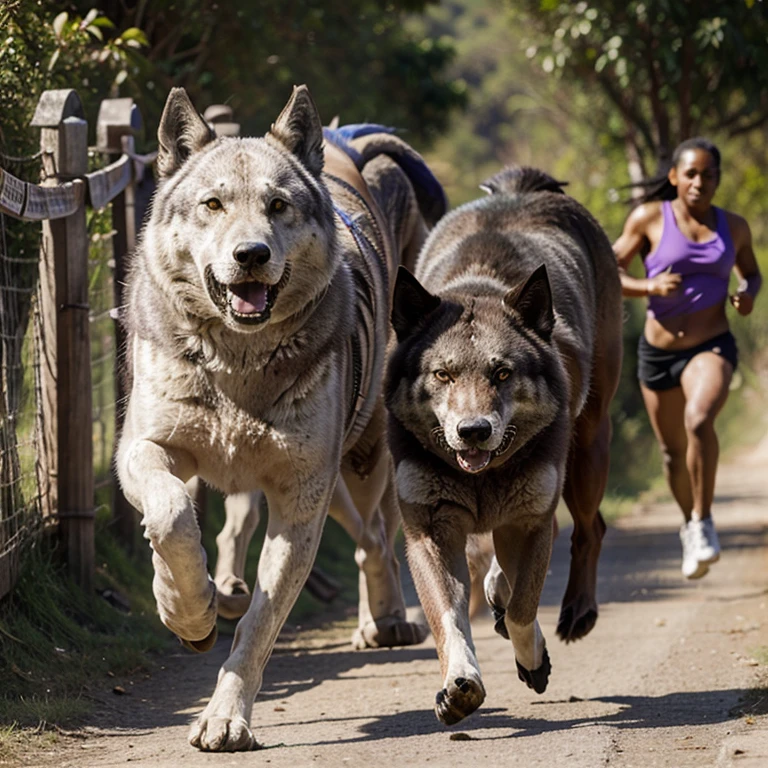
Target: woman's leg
(705, 383)
(665, 411)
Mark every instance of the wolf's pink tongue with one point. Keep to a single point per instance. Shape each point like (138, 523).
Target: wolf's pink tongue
(248, 298)
(473, 459)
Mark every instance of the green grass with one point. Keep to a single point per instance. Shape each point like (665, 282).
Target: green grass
(57, 642)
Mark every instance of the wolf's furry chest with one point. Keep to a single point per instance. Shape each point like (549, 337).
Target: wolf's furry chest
(240, 428)
(492, 499)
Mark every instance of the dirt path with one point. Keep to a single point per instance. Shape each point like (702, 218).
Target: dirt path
(667, 678)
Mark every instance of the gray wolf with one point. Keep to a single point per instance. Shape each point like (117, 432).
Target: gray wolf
(508, 354)
(258, 314)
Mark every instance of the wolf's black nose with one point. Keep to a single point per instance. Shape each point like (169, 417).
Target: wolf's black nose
(474, 430)
(249, 254)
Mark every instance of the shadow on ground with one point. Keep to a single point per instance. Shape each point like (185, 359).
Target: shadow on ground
(635, 712)
(634, 563)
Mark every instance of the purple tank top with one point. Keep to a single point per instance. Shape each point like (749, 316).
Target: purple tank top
(705, 267)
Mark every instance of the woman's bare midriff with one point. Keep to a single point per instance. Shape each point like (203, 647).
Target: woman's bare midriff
(686, 331)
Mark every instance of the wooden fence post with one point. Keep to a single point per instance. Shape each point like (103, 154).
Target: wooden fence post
(118, 121)
(66, 361)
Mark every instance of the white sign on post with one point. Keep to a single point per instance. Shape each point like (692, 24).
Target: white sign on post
(12, 193)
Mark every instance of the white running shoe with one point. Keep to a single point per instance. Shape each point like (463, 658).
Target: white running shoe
(704, 539)
(692, 568)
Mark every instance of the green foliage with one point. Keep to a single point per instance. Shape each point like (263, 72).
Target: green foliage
(356, 58)
(44, 48)
(41, 49)
(659, 70)
(515, 113)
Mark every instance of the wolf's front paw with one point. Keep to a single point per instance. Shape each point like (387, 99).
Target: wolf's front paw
(389, 632)
(536, 678)
(222, 734)
(461, 698)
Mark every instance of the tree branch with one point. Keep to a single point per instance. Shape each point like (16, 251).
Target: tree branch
(684, 89)
(628, 111)
(626, 104)
(658, 109)
(750, 126)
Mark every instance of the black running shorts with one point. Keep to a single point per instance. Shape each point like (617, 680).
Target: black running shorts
(660, 369)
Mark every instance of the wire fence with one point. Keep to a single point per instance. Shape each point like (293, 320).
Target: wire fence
(103, 344)
(20, 486)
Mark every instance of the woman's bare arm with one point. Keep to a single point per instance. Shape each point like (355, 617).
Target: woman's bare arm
(635, 234)
(746, 267)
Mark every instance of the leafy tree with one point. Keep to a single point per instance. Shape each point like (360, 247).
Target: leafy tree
(516, 112)
(355, 56)
(660, 70)
(42, 48)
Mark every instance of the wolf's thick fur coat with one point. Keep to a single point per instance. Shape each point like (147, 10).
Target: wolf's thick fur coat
(509, 352)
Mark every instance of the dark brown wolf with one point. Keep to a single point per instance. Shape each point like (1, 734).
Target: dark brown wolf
(508, 355)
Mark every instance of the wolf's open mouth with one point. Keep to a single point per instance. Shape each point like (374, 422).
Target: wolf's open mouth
(475, 460)
(249, 302)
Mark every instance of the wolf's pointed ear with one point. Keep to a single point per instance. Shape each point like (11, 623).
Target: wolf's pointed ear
(411, 303)
(181, 133)
(298, 129)
(533, 303)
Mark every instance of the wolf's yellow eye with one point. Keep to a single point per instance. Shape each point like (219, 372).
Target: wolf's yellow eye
(502, 374)
(277, 205)
(214, 204)
(443, 375)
